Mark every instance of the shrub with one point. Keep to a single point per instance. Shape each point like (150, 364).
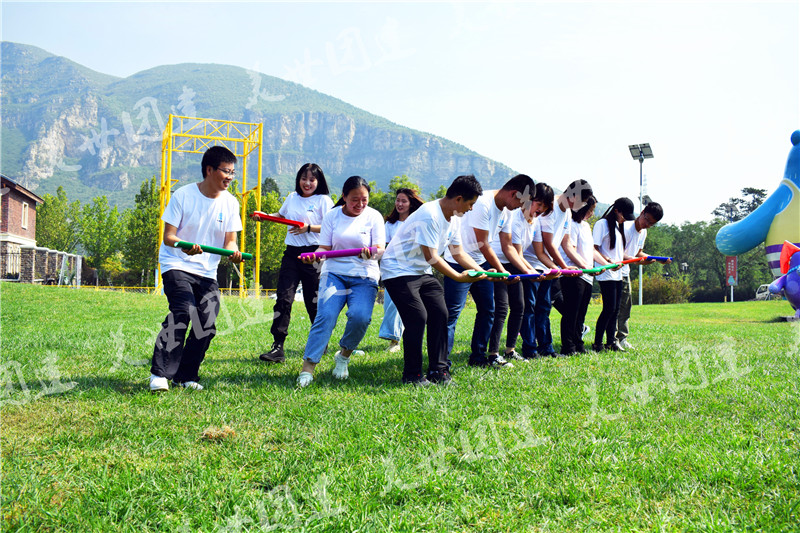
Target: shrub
(661, 290)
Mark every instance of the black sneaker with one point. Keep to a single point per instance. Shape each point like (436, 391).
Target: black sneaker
(417, 381)
(598, 347)
(274, 355)
(478, 360)
(441, 377)
(614, 347)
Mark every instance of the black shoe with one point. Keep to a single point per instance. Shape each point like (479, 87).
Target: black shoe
(441, 377)
(274, 355)
(530, 356)
(614, 347)
(417, 381)
(478, 360)
(598, 347)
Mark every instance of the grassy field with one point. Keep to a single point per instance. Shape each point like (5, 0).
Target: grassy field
(698, 429)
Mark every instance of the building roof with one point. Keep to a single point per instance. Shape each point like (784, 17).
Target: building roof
(5, 181)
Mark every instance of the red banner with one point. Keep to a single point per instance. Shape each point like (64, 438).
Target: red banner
(731, 271)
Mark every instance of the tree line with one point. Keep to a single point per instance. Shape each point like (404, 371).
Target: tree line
(123, 246)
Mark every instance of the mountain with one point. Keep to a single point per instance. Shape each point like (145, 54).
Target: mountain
(94, 134)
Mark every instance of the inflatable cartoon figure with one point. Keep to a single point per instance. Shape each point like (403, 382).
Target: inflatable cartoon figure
(789, 283)
(775, 221)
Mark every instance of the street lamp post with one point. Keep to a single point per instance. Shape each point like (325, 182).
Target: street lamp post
(641, 152)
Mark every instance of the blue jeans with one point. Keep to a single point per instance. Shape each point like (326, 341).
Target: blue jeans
(536, 336)
(528, 330)
(455, 297)
(541, 312)
(334, 292)
(392, 325)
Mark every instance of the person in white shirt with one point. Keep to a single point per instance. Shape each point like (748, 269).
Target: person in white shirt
(201, 213)
(576, 291)
(545, 245)
(610, 242)
(479, 227)
(635, 235)
(408, 277)
(512, 240)
(406, 202)
(351, 281)
(309, 202)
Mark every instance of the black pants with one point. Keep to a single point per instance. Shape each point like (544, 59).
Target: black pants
(607, 321)
(581, 319)
(557, 296)
(192, 299)
(420, 303)
(575, 296)
(292, 272)
(507, 297)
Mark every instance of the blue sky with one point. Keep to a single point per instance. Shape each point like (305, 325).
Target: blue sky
(556, 90)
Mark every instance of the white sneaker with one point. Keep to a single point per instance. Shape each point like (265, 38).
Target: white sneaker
(189, 385)
(157, 383)
(394, 346)
(625, 344)
(586, 330)
(305, 379)
(340, 370)
(513, 355)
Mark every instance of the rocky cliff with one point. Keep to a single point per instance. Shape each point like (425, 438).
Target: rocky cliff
(64, 124)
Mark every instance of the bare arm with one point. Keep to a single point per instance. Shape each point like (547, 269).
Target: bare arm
(572, 252)
(552, 250)
(433, 259)
(538, 247)
(513, 253)
(482, 237)
(230, 244)
(463, 258)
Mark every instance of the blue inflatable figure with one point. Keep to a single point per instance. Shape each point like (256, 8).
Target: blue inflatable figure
(789, 283)
(775, 221)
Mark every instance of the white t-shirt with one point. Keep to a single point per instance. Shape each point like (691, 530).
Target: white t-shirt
(601, 238)
(523, 233)
(200, 220)
(392, 227)
(557, 223)
(310, 210)
(485, 216)
(505, 221)
(426, 226)
(634, 241)
(581, 236)
(342, 232)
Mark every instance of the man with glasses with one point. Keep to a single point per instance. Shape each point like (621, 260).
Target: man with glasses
(200, 213)
(635, 235)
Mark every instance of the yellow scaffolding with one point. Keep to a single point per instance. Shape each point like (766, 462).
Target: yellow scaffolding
(194, 135)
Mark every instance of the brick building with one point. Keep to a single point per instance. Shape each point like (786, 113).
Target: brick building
(17, 224)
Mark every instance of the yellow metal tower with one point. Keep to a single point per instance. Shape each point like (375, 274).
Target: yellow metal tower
(196, 135)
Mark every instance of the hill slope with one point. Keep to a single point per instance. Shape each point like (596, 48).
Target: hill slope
(65, 124)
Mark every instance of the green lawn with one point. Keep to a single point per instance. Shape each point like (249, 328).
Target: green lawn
(698, 429)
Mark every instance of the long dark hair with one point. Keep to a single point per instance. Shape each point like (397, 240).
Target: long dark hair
(414, 200)
(353, 182)
(610, 217)
(322, 185)
(542, 192)
(578, 215)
